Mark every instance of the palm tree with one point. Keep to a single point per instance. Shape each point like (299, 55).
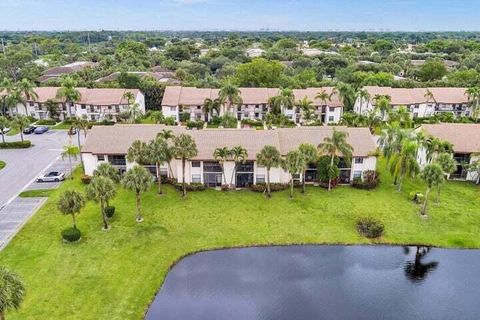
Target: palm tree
(138, 152)
(323, 96)
(362, 95)
(168, 135)
(71, 152)
(306, 106)
(294, 163)
(335, 145)
(71, 202)
(310, 154)
(285, 100)
(222, 155)
(185, 148)
(346, 94)
(404, 163)
(473, 94)
(448, 165)
(229, 94)
(134, 113)
(106, 170)
(129, 96)
(382, 104)
(430, 97)
(15, 98)
(159, 153)
(209, 106)
(27, 91)
(81, 124)
(20, 122)
(269, 157)
(4, 123)
(6, 87)
(433, 176)
(137, 179)
(101, 189)
(239, 155)
(12, 291)
(68, 93)
(435, 146)
(402, 116)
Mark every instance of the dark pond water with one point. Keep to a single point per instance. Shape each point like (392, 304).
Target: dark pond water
(322, 282)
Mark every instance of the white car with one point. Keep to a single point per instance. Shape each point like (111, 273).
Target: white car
(52, 176)
(6, 130)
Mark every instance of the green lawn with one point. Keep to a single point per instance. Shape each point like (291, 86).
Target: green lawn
(115, 274)
(36, 193)
(2, 164)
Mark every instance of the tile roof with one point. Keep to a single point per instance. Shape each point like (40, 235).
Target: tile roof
(464, 137)
(177, 95)
(66, 69)
(118, 138)
(407, 96)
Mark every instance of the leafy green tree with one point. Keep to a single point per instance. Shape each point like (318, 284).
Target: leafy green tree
(404, 163)
(52, 109)
(238, 154)
(4, 123)
(432, 70)
(310, 154)
(101, 189)
(12, 291)
(222, 155)
(260, 73)
(71, 152)
(269, 157)
(346, 93)
(184, 148)
(433, 175)
(137, 179)
(71, 202)
(20, 122)
(159, 153)
(27, 91)
(334, 145)
(230, 95)
(6, 87)
(294, 163)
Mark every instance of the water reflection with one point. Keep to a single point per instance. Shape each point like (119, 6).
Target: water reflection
(417, 270)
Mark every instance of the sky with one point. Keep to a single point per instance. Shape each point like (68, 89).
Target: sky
(302, 15)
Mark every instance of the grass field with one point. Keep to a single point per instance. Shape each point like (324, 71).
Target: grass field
(2, 164)
(115, 274)
(40, 193)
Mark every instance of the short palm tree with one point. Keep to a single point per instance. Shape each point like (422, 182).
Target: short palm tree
(323, 96)
(209, 106)
(12, 291)
(4, 123)
(269, 157)
(404, 163)
(166, 134)
(307, 108)
(294, 163)
(138, 153)
(184, 148)
(285, 100)
(137, 179)
(101, 189)
(71, 152)
(106, 170)
(27, 90)
(448, 165)
(238, 154)
(159, 153)
(382, 104)
(433, 175)
(363, 96)
(336, 145)
(20, 122)
(68, 92)
(222, 155)
(310, 154)
(230, 95)
(71, 202)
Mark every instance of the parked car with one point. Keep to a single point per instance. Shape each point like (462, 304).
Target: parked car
(52, 176)
(40, 130)
(72, 131)
(29, 129)
(6, 130)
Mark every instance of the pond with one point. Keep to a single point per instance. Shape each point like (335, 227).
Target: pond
(322, 282)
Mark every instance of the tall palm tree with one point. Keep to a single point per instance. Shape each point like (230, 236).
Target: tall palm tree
(222, 155)
(306, 107)
(27, 91)
(159, 153)
(404, 163)
(448, 165)
(473, 94)
(15, 98)
(71, 152)
(310, 154)
(4, 123)
(209, 106)
(433, 176)
(184, 148)
(137, 179)
(363, 96)
(79, 124)
(71, 202)
(382, 104)
(129, 96)
(285, 100)
(20, 122)
(12, 291)
(139, 153)
(269, 157)
(168, 135)
(6, 87)
(346, 94)
(230, 95)
(294, 163)
(134, 113)
(435, 146)
(67, 93)
(101, 189)
(238, 154)
(334, 146)
(323, 96)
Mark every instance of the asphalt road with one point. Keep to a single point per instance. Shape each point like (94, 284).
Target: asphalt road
(24, 165)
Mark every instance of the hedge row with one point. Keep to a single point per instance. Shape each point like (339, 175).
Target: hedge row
(16, 145)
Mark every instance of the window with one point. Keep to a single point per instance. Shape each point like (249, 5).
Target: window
(260, 178)
(109, 107)
(117, 160)
(331, 119)
(101, 157)
(331, 109)
(117, 109)
(199, 107)
(31, 104)
(196, 178)
(173, 108)
(195, 164)
(358, 160)
(357, 174)
(83, 106)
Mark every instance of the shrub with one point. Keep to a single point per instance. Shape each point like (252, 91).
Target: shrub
(370, 227)
(46, 122)
(370, 180)
(261, 187)
(416, 196)
(194, 186)
(185, 117)
(69, 120)
(86, 179)
(252, 123)
(102, 123)
(16, 145)
(109, 211)
(169, 121)
(71, 234)
(198, 124)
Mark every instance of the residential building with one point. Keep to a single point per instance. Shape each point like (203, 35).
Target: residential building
(254, 52)
(94, 104)
(111, 143)
(465, 139)
(178, 100)
(421, 102)
(57, 72)
(163, 77)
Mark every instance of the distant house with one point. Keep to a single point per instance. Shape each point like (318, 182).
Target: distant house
(57, 72)
(313, 52)
(449, 64)
(164, 77)
(254, 52)
(204, 52)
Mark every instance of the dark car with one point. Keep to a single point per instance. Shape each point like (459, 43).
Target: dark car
(29, 129)
(40, 130)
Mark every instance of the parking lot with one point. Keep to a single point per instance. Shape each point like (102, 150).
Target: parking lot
(23, 167)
